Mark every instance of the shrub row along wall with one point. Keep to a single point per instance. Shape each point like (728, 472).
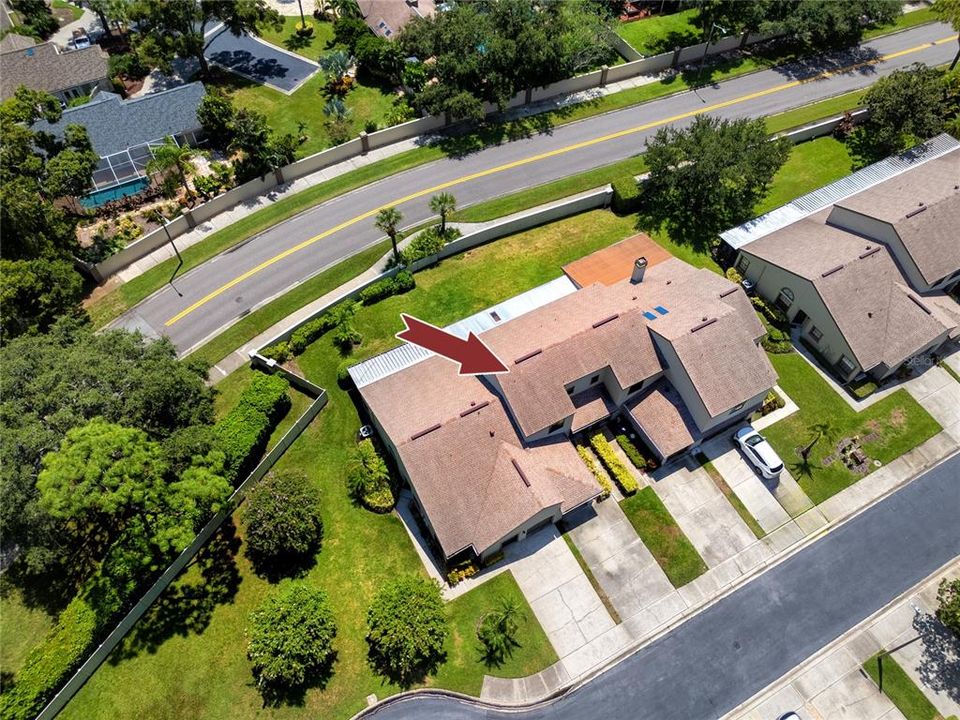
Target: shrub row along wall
(61, 647)
(639, 65)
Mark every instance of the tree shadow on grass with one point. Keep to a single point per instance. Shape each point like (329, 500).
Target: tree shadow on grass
(407, 678)
(278, 695)
(940, 662)
(291, 565)
(187, 606)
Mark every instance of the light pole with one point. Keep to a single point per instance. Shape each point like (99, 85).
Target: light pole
(706, 48)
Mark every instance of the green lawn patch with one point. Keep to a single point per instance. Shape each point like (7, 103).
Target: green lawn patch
(903, 22)
(950, 371)
(900, 688)
(68, 12)
(662, 33)
(731, 496)
(811, 165)
(807, 114)
(465, 667)
(21, 628)
(901, 422)
(663, 537)
(592, 578)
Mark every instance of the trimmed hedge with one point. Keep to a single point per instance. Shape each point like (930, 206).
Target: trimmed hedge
(626, 195)
(268, 394)
(243, 433)
(618, 471)
(603, 480)
(773, 315)
(49, 663)
(398, 284)
(631, 451)
(776, 341)
(427, 243)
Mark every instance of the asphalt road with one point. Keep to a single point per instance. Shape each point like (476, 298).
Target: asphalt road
(232, 284)
(725, 655)
(259, 61)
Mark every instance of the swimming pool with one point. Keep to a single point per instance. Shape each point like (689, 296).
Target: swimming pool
(99, 197)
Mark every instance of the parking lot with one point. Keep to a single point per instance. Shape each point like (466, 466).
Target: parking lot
(259, 61)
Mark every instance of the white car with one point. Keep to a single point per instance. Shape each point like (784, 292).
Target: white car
(759, 452)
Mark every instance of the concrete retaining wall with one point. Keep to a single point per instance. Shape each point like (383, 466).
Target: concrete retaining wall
(825, 127)
(130, 619)
(415, 128)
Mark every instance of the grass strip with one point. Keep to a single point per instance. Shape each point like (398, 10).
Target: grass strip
(663, 537)
(273, 312)
(731, 496)
(592, 578)
(897, 685)
(950, 370)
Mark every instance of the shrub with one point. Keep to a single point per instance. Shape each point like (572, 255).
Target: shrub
(128, 65)
(462, 572)
(407, 627)
(398, 284)
(368, 479)
(49, 663)
(282, 515)
(601, 477)
(304, 29)
(733, 276)
(279, 351)
(346, 336)
(948, 604)
(771, 402)
(427, 243)
(631, 451)
(291, 637)
(773, 315)
(343, 374)
(617, 470)
(339, 315)
(242, 436)
(776, 341)
(626, 195)
(268, 394)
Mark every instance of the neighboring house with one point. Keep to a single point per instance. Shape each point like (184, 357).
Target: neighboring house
(123, 132)
(673, 348)
(859, 267)
(11, 42)
(65, 75)
(387, 17)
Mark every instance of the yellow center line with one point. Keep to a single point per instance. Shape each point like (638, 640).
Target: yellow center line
(536, 158)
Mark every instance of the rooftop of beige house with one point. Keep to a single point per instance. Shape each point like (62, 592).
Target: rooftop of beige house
(474, 477)
(880, 317)
(923, 205)
(44, 67)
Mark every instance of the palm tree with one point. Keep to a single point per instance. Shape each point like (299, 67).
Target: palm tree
(443, 204)
(821, 430)
(497, 630)
(346, 9)
(336, 109)
(178, 158)
(336, 64)
(387, 221)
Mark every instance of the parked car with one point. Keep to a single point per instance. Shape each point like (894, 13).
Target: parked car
(759, 452)
(79, 41)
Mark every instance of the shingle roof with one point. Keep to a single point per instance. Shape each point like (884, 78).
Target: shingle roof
(881, 319)
(114, 124)
(387, 17)
(923, 205)
(44, 67)
(476, 480)
(664, 419)
(12, 41)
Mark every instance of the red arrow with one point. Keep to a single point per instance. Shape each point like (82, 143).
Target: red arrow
(474, 357)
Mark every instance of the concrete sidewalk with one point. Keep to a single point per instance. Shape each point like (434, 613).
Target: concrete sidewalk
(833, 684)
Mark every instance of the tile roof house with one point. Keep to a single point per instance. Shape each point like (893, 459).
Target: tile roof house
(673, 348)
(122, 131)
(65, 75)
(387, 17)
(861, 279)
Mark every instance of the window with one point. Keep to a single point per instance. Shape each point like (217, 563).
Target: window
(595, 379)
(556, 426)
(815, 333)
(845, 365)
(784, 299)
(633, 388)
(742, 264)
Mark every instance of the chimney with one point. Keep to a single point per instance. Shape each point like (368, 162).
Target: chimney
(639, 267)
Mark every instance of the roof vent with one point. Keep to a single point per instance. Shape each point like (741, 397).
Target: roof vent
(731, 291)
(831, 271)
(492, 433)
(605, 320)
(701, 326)
(917, 211)
(639, 268)
(526, 357)
(870, 251)
(495, 315)
(429, 430)
(474, 407)
(520, 472)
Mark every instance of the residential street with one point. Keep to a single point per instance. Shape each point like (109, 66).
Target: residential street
(241, 279)
(726, 654)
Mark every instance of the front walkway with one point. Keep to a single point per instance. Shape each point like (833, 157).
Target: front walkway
(833, 685)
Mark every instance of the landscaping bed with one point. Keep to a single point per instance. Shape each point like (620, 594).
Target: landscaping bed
(885, 430)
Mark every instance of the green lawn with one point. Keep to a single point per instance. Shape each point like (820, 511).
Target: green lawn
(663, 537)
(811, 165)
(807, 114)
(902, 691)
(197, 668)
(907, 20)
(21, 628)
(68, 12)
(367, 103)
(901, 421)
(660, 33)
